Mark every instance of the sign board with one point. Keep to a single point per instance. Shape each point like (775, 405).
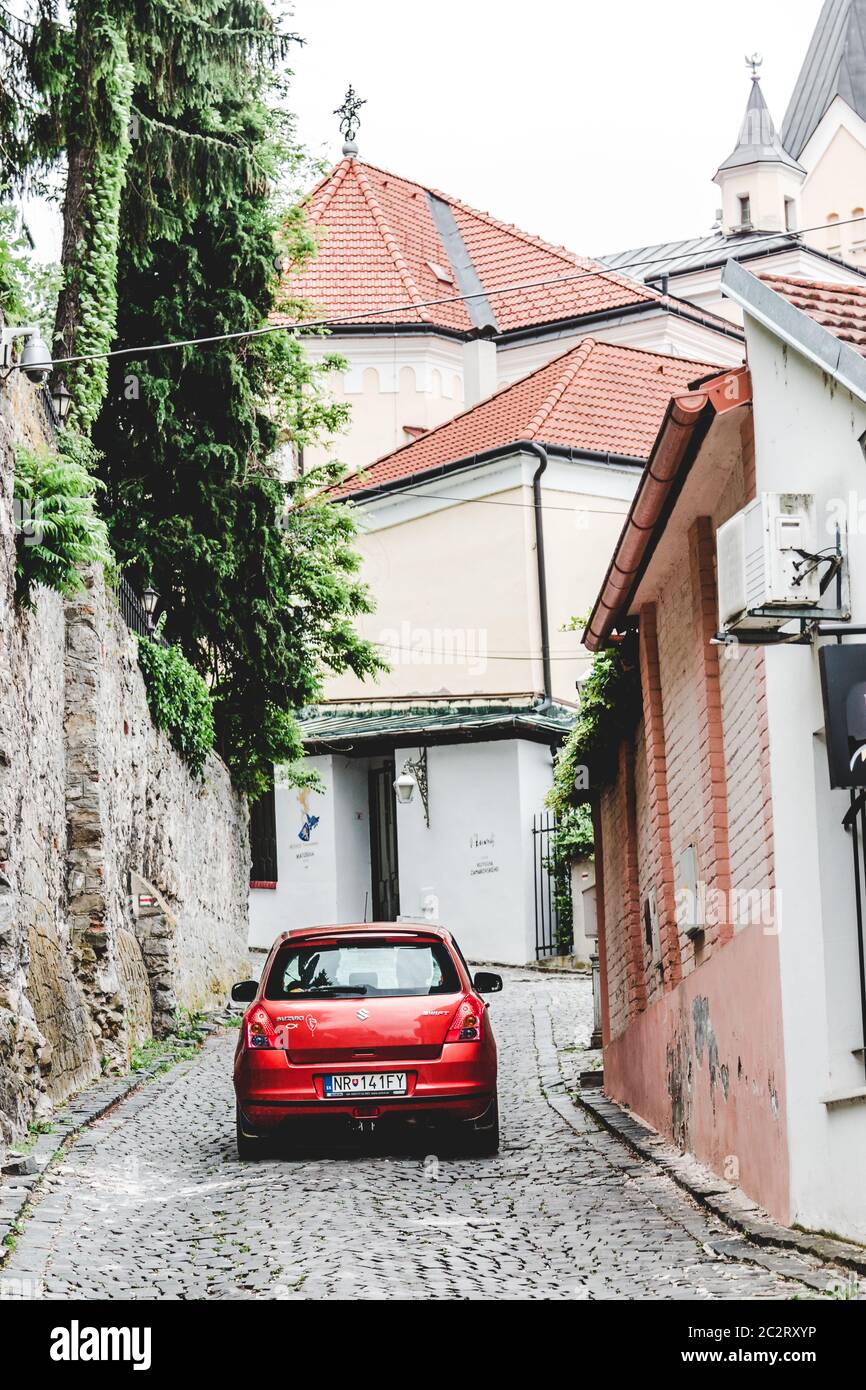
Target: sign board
(843, 686)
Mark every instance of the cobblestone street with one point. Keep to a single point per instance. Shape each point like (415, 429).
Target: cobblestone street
(152, 1202)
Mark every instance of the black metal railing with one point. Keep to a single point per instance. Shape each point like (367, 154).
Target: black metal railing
(132, 609)
(554, 930)
(49, 414)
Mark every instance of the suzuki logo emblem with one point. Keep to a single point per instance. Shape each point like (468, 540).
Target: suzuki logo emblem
(362, 1014)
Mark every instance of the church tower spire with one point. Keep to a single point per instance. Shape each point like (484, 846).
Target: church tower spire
(759, 180)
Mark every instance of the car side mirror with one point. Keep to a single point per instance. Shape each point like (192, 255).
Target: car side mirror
(245, 992)
(487, 983)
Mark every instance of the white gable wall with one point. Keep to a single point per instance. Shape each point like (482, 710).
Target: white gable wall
(807, 432)
(472, 869)
(395, 381)
(452, 570)
(835, 186)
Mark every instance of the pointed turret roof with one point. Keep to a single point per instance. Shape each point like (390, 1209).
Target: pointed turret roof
(758, 143)
(835, 66)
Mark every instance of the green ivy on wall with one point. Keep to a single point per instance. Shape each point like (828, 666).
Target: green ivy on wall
(90, 266)
(179, 701)
(57, 528)
(609, 706)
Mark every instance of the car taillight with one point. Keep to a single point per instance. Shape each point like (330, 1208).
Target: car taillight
(466, 1023)
(260, 1030)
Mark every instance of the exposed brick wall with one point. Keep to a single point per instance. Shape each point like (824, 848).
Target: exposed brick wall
(612, 816)
(678, 662)
(744, 719)
(683, 1052)
(747, 459)
(658, 810)
(713, 852)
(600, 920)
(746, 741)
(650, 973)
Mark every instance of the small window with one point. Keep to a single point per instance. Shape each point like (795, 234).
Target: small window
(263, 842)
(745, 210)
(441, 273)
(858, 227)
(689, 907)
(790, 215)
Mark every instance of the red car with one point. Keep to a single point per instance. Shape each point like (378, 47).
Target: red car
(372, 1023)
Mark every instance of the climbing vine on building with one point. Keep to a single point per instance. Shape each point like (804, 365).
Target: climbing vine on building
(86, 84)
(57, 527)
(179, 701)
(609, 706)
(98, 144)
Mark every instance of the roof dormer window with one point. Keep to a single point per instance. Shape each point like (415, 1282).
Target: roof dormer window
(745, 205)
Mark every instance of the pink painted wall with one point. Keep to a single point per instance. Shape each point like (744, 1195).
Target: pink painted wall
(695, 1045)
(703, 1064)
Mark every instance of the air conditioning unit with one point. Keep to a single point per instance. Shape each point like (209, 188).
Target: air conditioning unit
(759, 562)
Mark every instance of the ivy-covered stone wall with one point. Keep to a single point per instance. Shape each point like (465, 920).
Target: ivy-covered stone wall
(97, 811)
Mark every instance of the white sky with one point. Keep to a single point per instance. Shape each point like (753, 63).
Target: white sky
(597, 126)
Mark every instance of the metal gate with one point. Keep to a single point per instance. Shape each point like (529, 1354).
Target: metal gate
(855, 824)
(383, 843)
(554, 933)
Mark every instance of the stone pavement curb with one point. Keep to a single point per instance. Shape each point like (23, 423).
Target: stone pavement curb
(724, 1200)
(17, 1190)
(738, 1211)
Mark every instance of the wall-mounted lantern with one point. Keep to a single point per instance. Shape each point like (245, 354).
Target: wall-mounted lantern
(151, 599)
(61, 399)
(414, 774)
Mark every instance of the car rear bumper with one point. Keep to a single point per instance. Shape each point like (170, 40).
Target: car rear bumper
(459, 1087)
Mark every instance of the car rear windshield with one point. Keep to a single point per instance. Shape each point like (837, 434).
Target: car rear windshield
(371, 968)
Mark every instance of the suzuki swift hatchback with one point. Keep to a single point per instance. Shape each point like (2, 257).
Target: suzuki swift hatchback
(372, 1024)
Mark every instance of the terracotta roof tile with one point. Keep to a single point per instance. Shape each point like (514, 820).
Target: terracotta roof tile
(839, 308)
(597, 396)
(378, 243)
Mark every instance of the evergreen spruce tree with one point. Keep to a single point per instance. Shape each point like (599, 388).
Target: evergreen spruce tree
(175, 143)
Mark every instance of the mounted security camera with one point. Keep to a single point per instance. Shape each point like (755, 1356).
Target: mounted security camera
(35, 355)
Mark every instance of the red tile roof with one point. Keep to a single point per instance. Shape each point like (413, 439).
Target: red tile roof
(839, 308)
(378, 244)
(597, 396)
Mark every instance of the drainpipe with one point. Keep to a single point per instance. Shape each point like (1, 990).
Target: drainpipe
(541, 454)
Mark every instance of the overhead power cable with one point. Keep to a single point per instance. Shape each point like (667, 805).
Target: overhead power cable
(308, 325)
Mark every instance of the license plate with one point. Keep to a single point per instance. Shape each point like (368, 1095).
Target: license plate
(377, 1083)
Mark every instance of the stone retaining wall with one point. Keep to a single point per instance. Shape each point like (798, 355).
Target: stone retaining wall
(96, 811)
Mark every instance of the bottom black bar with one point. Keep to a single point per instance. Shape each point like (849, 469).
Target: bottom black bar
(65, 1339)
